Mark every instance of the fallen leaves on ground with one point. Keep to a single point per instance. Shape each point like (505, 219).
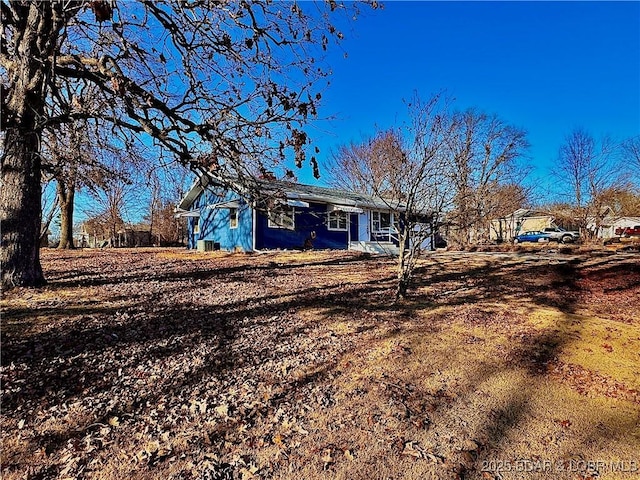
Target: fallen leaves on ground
(160, 363)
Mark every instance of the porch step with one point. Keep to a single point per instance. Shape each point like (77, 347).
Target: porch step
(388, 248)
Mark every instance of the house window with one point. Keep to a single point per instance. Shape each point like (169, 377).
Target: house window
(284, 218)
(337, 220)
(380, 221)
(196, 225)
(233, 218)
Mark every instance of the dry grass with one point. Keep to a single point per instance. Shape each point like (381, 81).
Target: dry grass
(171, 364)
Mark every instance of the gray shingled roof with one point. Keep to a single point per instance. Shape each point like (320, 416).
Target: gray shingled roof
(290, 190)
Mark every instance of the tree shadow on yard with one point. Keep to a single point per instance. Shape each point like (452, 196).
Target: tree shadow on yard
(117, 362)
(541, 282)
(126, 361)
(200, 270)
(558, 285)
(519, 376)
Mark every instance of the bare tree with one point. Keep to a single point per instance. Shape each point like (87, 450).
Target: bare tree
(587, 169)
(422, 184)
(238, 77)
(631, 154)
(155, 204)
(407, 168)
(113, 201)
(80, 154)
(68, 157)
(484, 151)
(366, 167)
(166, 187)
(502, 202)
(162, 227)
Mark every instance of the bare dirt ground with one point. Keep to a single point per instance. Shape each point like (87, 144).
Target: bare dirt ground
(169, 364)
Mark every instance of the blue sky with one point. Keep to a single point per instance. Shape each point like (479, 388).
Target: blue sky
(548, 67)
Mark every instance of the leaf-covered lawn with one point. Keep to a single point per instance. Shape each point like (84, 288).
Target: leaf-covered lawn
(178, 365)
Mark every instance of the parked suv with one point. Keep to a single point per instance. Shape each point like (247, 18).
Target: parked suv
(561, 235)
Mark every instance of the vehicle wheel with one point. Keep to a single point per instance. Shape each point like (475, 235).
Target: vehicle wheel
(567, 239)
(515, 241)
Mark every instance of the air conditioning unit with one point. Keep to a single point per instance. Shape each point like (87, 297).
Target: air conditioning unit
(208, 246)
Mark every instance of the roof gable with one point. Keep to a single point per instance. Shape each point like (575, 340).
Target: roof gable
(193, 193)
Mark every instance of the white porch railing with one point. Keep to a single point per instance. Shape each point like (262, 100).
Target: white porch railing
(387, 234)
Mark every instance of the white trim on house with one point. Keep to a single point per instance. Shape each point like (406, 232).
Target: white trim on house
(297, 203)
(196, 189)
(227, 204)
(364, 226)
(345, 208)
(393, 221)
(233, 215)
(187, 213)
(253, 226)
(337, 216)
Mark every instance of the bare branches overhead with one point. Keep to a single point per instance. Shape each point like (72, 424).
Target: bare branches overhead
(236, 80)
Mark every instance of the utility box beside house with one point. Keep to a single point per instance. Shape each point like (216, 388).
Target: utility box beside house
(207, 246)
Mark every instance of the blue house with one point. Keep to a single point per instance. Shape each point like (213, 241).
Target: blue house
(272, 214)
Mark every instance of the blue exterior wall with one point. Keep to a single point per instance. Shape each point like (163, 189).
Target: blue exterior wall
(215, 222)
(307, 220)
(215, 226)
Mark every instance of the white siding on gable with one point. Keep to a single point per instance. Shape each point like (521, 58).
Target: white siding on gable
(609, 226)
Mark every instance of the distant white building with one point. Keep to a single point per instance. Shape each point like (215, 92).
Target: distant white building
(609, 225)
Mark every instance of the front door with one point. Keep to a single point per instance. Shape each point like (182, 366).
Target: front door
(363, 227)
(353, 227)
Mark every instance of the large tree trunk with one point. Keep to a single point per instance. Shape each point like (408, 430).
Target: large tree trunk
(66, 193)
(22, 111)
(20, 210)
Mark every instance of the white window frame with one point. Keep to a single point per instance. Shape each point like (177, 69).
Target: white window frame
(234, 218)
(338, 216)
(277, 219)
(378, 220)
(375, 219)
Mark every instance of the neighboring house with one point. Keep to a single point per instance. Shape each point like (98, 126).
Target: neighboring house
(522, 220)
(609, 225)
(94, 234)
(133, 236)
(285, 215)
